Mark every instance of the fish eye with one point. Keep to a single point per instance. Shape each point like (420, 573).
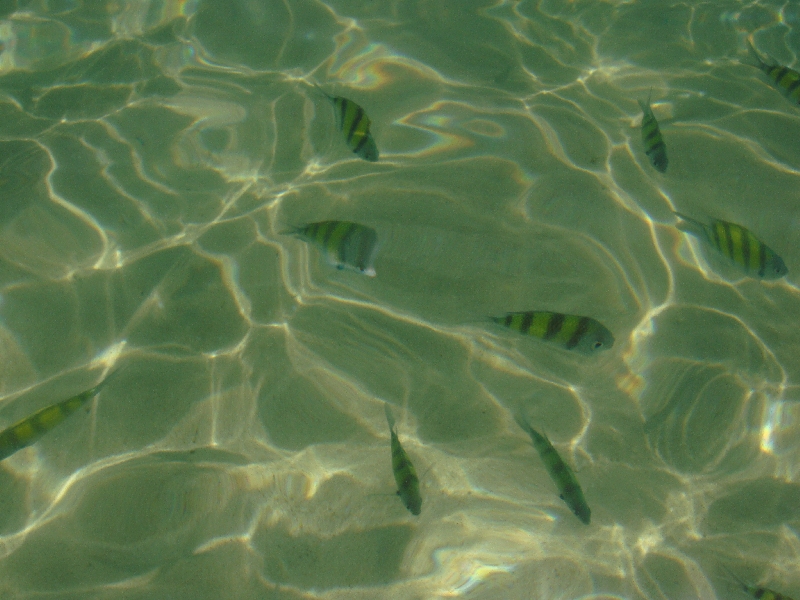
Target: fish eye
(598, 344)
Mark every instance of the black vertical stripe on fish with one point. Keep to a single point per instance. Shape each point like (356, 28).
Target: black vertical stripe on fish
(329, 228)
(762, 259)
(716, 240)
(793, 86)
(554, 325)
(351, 228)
(361, 144)
(350, 248)
(650, 136)
(727, 227)
(342, 102)
(745, 247)
(527, 319)
(357, 117)
(580, 331)
(780, 74)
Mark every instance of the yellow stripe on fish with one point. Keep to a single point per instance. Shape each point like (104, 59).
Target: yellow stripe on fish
(572, 332)
(737, 244)
(29, 430)
(569, 489)
(353, 122)
(347, 245)
(761, 593)
(654, 145)
(404, 474)
(785, 79)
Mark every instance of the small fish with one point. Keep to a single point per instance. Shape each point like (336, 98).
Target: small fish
(404, 473)
(569, 488)
(572, 332)
(739, 245)
(353, 122)
(346, 244)
(785, 79)
(30, 429)
(761, 593)
(654, 145)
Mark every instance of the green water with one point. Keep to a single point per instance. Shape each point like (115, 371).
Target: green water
(154, 154)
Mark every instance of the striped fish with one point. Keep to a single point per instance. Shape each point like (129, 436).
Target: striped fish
(654, 145)
(569, 488)
(572, 332)
(30, 429)
(785, 79)
(739, 245)
(346, 244)
(353, 122)
(761, 593)
(404, 473)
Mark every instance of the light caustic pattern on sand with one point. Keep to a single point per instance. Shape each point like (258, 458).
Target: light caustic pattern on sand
(153, 159)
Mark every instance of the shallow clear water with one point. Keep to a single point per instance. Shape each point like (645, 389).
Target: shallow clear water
(153, 156)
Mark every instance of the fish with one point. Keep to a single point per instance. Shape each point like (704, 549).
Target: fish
(571, 332)
(761, 593)
(785, 79)
(569, 489)
(347, 245)
(654, 145)
(29, 430)
(353, 122)
(737, 244)
(404, 474)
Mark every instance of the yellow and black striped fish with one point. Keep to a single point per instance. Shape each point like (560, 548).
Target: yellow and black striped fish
(569, 489)
(761, 593)
(30, 429)
(353, 122)
(572, 332)
(739, 245)
(404, 473)
(654, 145)
(785, 79)
(347, 245)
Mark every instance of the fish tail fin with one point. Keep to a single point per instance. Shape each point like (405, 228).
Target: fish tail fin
(321, 91)
(753, 58)
(522, 422)
(645, 104)
(493, 319)
(389, 415)
(292, 230)
(96, 389)
(691, 226)
(539, 439)
(745, 587)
